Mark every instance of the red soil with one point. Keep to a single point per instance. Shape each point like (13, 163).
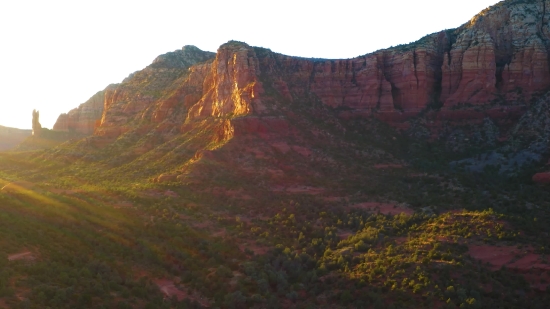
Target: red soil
(221, 233)
(169, 289)
(302, 150)
(281, 147)
(26, 255)
(523, 261)
(170, 193)
(383, 208)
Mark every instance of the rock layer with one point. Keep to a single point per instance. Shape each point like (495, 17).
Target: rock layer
(499, 58)
(84, 118)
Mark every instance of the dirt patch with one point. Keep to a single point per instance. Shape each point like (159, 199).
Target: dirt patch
(302, 151)
(170, 193)
(25, 256)
(525, 261)
(221, 233)
(384, 208)
(281, 147)
(510, 256)
(258, 154)
(170, 290)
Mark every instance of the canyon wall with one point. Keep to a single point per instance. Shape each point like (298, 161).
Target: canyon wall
(501, 56)
(82, 119)
(500, 59)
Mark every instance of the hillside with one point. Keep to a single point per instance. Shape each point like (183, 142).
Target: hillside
(11, 137)
(249, 179)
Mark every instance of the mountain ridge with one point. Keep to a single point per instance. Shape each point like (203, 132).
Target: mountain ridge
(252, 179)
(11, 137)
(499, 58)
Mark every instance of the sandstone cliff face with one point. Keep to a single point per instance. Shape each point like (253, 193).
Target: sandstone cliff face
(134, 94)
(154, 93)
(503, 50)
(84, 118)
(395, 79)
(499, 58)
(501, 53)
(231, 87)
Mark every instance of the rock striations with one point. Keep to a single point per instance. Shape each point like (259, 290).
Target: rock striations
(494, 64)
(84, 118)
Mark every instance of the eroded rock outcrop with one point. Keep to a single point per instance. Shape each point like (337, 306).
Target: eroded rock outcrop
(111, 108)
(499, 58)
(36, 126)
(162, 92)
(503, 51)
(83, 119)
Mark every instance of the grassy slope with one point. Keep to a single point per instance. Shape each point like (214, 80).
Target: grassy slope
(102, 234)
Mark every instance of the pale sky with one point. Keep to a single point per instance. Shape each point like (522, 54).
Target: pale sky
(55, 54)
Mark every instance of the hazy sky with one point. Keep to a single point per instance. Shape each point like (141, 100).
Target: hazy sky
(54, 54)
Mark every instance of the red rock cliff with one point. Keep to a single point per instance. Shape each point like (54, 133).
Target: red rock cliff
(82, 119)
(501, 53)
(111, 108)
(501, 57)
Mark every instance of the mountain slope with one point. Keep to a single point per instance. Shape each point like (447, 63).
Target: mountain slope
(11, 137)
(250, 179)
(499, 58)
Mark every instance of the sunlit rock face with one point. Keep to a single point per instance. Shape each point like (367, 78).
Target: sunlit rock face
(82, 119)
(499, 58)
(232, 86)
(110, 108)
(503, 51)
